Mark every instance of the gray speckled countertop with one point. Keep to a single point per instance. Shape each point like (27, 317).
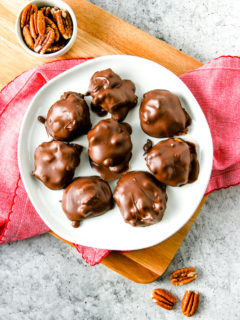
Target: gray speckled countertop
(43, 278)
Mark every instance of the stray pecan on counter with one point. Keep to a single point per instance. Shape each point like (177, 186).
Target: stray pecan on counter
(183, 276)
(190, 303)
(163, 298)
(45, 30)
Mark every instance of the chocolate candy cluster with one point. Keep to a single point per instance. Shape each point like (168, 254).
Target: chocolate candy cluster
(140, 195)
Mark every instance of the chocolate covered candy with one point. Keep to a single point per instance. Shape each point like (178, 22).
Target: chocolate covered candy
(173, 162)
(86, 197)
(112, 94)
(161, 114)
(55, 163)
(110, 148)
(68, 118)
(141, 198)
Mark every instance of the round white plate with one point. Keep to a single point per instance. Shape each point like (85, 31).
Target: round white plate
(109, 231)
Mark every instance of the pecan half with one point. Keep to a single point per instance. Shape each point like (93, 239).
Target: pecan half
(56, 47)
(44, 42)
(190, 303)
(64, 23)
(26, 15)
(34, 9)
(35, 22)
(32, 25)
(27, 37)
(47, 11)
(52, 25)
(41, 23)
(163, 298)
(53, 12)
(183, 276)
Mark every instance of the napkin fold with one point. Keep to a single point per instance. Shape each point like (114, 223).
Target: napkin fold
(216, 86)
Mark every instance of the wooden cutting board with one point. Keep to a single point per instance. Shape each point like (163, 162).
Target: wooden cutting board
(100, 33)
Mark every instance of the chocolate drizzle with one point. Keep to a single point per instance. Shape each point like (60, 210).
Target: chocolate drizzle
(174, 162)
(112, 94)
(161, 114)
(140, 198)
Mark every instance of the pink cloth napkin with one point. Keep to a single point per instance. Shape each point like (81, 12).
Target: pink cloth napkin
(215, 86)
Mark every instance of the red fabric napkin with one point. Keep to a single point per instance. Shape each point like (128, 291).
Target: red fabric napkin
(215, 86)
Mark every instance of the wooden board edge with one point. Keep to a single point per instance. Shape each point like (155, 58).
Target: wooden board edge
(127, 264)
(128, 268)
(137, 254)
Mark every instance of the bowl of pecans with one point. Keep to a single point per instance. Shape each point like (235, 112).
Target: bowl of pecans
(46, 29)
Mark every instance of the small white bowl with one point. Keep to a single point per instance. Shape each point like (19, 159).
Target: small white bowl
(48, 3)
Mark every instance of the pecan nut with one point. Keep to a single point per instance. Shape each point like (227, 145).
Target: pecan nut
(44, 42)
(27, 37)
(64, 23)
(47, 11)
(52, 25)
(26, 13)
(32, 27)
(164, 299)
(34, 9)
(190, 303)
(56, 47)
(41, 23)
(183, 276)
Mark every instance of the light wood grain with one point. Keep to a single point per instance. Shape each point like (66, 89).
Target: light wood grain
(100, 33)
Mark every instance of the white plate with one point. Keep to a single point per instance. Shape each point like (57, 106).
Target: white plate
(109, 231)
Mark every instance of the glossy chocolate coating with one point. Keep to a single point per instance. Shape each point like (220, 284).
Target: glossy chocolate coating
(161, 114)
(41, 119)
(86, 197)
(110, 148)
(174, 162)
(55, 163)
(141, 198)
(147, 146)
(68, 118)
(112, 94)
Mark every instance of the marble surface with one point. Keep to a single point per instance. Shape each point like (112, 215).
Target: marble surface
(43, 278)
